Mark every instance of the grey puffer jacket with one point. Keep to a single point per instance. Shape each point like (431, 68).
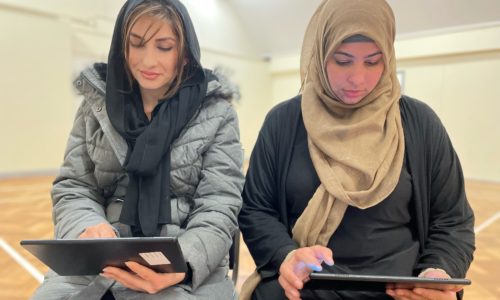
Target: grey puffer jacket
(206, 177)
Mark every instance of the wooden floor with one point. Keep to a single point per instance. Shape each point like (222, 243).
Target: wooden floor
(25, 213)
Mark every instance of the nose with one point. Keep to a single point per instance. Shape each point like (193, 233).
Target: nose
(149, 59)
(356, 76)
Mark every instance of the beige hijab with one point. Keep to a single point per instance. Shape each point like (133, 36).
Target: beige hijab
(357, 150)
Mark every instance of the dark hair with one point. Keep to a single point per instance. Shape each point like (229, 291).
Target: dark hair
(357, 38)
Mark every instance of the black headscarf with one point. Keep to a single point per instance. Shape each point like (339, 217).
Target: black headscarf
(147, 202)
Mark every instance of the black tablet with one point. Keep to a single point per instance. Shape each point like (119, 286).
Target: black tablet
(326, 281)
(70, 257)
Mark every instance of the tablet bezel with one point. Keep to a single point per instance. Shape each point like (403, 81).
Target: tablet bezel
(72, 257)
(381, 282)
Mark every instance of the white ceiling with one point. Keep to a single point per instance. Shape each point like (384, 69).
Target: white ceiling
(278, 26)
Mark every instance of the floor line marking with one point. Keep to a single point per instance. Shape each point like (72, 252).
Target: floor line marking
(21, 260)
(487, 223)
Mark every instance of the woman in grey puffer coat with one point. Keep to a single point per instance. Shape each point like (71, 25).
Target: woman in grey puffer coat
(154, 151)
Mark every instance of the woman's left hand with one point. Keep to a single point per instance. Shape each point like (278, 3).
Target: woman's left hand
(423, 293)
(142, 278)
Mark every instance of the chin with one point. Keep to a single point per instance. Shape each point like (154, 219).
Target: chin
(150, 85)
(351, 101)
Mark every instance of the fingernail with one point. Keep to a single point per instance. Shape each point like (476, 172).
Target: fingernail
(314, 267)
(329, 262)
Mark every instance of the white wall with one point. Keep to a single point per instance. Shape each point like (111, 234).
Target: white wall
(254, 82)
(42, 45)
(463, 90)
(89, 12)
(286, 77)
(218, 28)
(46, 43)
(224, 43)
(456, 73)
(36, 99)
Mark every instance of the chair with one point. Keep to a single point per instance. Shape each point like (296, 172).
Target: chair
(234, 256)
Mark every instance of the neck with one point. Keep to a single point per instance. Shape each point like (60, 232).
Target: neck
(148, 109)
(150, 100)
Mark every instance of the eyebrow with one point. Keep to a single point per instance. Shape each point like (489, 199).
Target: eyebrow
(352, 56)
(162, 39)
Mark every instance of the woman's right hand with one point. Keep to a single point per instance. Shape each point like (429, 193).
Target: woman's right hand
(102, 230)
(295, 269)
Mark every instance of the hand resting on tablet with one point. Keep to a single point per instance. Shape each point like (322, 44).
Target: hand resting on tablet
(400, 291)
(139, 278)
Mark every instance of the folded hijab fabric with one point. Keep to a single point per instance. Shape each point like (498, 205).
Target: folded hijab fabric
(357, 150)
(147, 202)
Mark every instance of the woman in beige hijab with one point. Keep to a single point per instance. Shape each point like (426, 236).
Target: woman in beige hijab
(352, 171)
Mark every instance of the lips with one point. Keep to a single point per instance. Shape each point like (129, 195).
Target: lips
(353, 94)
(149, 75)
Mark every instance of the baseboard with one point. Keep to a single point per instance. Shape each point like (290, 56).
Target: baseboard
(32, 173)
(491, 181)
